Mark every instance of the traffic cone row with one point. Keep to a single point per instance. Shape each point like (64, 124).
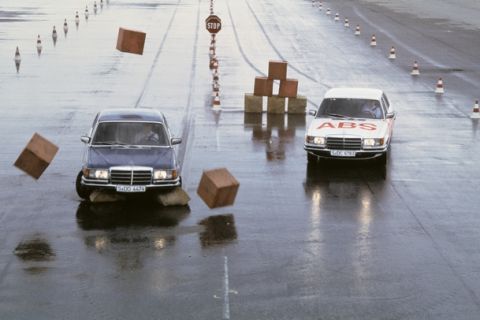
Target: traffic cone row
(392, 55)
(214, 66)
(39, 44)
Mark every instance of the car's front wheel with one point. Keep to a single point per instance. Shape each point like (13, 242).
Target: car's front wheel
(82, 191)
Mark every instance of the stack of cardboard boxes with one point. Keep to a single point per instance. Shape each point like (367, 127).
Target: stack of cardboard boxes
(277, 70)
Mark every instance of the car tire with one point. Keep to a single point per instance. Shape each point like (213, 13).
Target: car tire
(311, 158)
(82, 191)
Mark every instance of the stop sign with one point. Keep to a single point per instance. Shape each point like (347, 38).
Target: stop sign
(213, 24)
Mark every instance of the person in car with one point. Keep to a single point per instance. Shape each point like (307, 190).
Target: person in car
(372, 109)
(147, 136)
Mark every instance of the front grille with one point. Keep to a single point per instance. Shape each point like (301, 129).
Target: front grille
(131, 177)
(335, 143)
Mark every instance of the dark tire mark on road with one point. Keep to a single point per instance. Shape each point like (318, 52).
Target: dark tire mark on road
(157, 55)
(244, 55)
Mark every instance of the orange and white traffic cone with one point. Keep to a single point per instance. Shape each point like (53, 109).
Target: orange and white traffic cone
(216, 101)
(393, 54)
(215, 75)
(373, 42)
(357, 30)
(439, 89)
(328, 12)
(415, 69)
(346, 24)
(320, 6)
(476, 111)
(337, 17)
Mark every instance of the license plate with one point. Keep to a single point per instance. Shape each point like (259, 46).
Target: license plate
(342, 153)
(131, 188)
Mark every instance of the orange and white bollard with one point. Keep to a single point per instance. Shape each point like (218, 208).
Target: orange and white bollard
(357, 30)
(346, 24)
(337, 17)
(216, 101)
(328, 12)
(393, 54)
(415, 69)
(439, 88)
(39, 45)
(476, 111)
(373, 41)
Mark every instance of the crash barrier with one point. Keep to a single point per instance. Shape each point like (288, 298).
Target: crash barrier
(288, 90)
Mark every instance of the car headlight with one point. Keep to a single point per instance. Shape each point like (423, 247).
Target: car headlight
(315, 140)
(100, 174)
(373, 142)
(164, 174)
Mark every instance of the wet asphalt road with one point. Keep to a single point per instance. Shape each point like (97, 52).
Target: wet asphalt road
(336, 241)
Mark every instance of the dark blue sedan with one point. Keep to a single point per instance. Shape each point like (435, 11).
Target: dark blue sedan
(129, 151)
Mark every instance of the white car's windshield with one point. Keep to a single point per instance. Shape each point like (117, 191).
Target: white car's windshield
(130, 133)
(350, 108)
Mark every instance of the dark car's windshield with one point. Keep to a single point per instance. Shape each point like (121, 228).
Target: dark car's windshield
(130, 133)
(350, 108)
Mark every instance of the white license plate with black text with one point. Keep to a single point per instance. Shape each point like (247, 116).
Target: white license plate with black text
(131, 188)
(342, 153)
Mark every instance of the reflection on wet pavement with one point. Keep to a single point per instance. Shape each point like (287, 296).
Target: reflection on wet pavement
(104, 216)
(36, 249)
(219, 229)
(278, 132)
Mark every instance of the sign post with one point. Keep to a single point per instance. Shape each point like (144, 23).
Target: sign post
(213, 24)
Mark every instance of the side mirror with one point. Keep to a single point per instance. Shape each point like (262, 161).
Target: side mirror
(391, 115)
(85, 139)
(175, 141)
(312, 112)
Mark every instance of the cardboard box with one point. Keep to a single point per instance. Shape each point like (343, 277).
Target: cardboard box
(288, 88)
(36, 156)
(277, 70)
(263, 87)
(253, 104)
(130, 41)
(218, 188)
(297, 105)
(276, 104)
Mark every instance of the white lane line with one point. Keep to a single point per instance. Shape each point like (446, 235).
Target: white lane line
(226, 291)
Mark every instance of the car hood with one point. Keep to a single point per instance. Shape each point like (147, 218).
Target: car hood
(369, 128)
(105, 157)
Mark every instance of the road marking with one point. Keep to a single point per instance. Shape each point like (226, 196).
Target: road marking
(226, 291)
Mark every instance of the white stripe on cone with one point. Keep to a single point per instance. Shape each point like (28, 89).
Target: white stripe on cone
(439, 89)
(357, 30)
(415, 69)
(393, 54)
(476, 111)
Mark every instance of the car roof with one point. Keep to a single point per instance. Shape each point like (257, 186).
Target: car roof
(131, 114)
(354, 93)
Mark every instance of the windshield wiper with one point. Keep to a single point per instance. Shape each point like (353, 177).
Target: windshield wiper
(110, 143)
(335, 115)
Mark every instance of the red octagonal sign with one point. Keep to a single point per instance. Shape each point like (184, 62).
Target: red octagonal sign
(213, 24)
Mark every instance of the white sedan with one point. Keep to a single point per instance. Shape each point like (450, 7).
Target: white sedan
(351, 123)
